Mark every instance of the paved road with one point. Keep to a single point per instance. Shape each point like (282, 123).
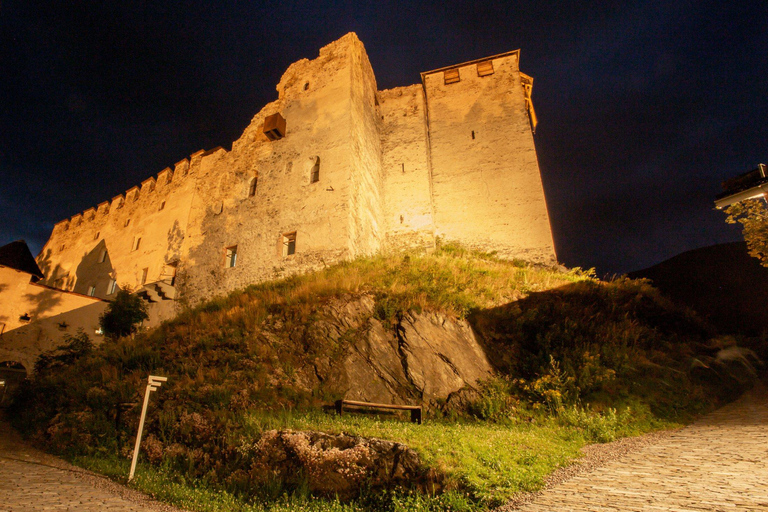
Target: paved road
(32, 481)
(719, 463)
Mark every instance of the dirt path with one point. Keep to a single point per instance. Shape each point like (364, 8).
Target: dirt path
(720, 463)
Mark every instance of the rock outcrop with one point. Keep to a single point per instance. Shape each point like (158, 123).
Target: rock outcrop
(335, 464)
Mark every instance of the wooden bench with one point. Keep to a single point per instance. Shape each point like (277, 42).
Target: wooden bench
(416, 410)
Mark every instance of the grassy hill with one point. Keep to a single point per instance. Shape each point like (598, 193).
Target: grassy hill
(573, 361)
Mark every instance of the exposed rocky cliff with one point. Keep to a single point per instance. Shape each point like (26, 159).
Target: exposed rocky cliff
(416, 357)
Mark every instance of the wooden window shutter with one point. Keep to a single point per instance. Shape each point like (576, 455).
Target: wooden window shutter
(274, 126)
(485, 68)
(451, 76)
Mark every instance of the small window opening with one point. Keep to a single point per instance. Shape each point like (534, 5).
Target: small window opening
(103, 256)
(112, 288)
(61, 249)
(91, 291)
(315, 177)
(473, 134)
(306, 86)
(127, 221)
(230, 259)
(289, 244)
(144, 274)
(401, 219)
(96, 236)
(162, 206)
(136, 243)
(403, 166)
(252, 187)
(451, 76)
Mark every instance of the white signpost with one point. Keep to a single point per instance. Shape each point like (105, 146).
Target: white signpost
(153, 383)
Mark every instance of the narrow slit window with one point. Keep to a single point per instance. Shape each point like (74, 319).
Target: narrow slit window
(451, 76)
(315, 175)
(136, 243)
(230, 259)
(96, 236)
(162, 206)
(112, 288)
(485, 68)
(289, 244)
(91, 291)
(473, 134)
(127, 221)
(252, 187)
(103, 256)
(144, 274)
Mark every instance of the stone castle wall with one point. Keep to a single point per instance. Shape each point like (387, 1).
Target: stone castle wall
(396, 169)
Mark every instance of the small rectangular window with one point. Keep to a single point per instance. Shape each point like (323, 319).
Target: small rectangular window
(162, 205)
(144, 274)
(485, 68)
(91, 291)
(127, 221)
(96, 236)
(451, 76)
(112, 288)
(136, 243)
(252, 187)
(289, 244)
(103, 256)
(230, 257)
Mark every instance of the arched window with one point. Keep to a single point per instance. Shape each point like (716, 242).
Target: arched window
(315, 175)
(252, 187)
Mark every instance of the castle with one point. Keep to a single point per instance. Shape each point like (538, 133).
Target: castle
(331, 170)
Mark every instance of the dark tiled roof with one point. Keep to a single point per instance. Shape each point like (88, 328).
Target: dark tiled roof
(16, 255)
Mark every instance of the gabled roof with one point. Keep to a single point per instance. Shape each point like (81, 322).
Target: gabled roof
(16, 255)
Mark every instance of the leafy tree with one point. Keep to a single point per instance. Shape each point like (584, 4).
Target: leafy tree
(753, 217)
(124, 315)
(73, 348)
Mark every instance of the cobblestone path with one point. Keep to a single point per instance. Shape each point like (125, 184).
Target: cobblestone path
(31, 481)
(719, 463)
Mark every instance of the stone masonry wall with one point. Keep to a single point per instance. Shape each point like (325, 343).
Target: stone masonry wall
(487, 188)
(396, 168)
(408, 215)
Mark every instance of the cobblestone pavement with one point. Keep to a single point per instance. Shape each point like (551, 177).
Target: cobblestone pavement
(719, 463)
(31, 481)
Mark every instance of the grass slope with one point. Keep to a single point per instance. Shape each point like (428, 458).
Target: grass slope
(578, 361)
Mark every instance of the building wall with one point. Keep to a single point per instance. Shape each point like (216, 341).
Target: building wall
(397, 167)
(53, 314)
(408, 216)
(486, 183)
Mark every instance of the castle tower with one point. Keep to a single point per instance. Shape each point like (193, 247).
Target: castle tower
(486, 186)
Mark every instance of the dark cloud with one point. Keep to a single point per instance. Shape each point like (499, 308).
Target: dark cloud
(644, 107)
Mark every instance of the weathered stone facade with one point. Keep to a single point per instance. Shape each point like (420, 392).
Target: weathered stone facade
(357, 171)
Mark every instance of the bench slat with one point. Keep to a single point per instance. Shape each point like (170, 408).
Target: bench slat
(380, 406)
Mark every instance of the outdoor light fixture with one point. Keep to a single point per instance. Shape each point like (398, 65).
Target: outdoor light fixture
(153, 383)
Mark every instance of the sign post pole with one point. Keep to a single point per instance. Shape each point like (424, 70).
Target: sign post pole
(153, 383)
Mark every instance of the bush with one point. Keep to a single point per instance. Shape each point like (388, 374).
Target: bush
(124, 315)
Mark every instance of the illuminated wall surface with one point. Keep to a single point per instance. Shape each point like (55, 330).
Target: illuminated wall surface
(356, 171)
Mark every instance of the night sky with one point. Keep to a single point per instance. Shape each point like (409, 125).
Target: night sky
(643, 107)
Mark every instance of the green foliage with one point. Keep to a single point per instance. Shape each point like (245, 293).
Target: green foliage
(73, 348)
(753, 217)
(123, 315)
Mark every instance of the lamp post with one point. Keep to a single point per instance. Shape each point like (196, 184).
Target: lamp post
(153, 383)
